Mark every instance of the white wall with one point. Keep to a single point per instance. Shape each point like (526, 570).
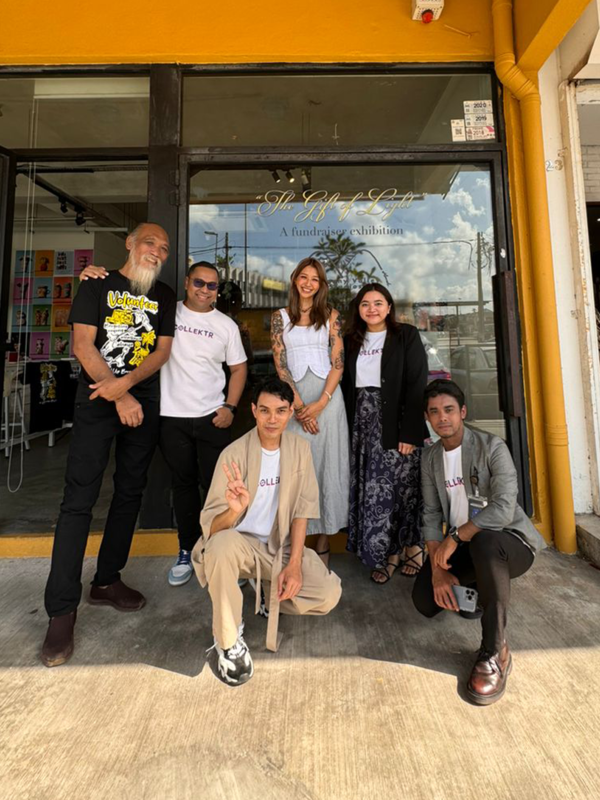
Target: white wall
(570, 353)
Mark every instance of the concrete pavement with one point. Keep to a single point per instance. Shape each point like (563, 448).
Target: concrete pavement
(365, 703)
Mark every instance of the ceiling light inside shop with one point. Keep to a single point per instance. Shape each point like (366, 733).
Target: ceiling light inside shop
(289, 176)
(275, 175)
(90, 88)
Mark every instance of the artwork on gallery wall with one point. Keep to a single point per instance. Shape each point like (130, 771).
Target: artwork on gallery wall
(63, 262)
(40, 317)
(23, 262)
(62, 290)
(39, 346)
(44, 263)
(44, 285)
(60, 345)
(22, 290)
(60, 318)
(82, 259)
(42, 290)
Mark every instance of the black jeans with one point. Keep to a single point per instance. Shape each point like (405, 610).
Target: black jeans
(487, 563)
(191, 447)
(95, 425)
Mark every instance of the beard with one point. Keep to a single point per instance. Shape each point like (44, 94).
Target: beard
(143, 273)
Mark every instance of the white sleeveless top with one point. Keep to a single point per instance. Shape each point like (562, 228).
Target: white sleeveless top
(306, 347)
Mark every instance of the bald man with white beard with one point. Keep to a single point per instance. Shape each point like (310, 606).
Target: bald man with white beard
(123, 328)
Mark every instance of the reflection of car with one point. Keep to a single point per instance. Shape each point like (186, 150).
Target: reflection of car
(436, 368)
(474, 367)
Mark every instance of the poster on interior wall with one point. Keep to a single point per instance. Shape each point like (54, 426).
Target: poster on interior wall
(40, 316)
(60, 345)
(63, 262)
(42, 290)
(20, 317)
(17, 345)
(62, 290)
(82, 259)
(60, 318)
(39, 346)
(23, 262)
(44, 262)
(22, 290)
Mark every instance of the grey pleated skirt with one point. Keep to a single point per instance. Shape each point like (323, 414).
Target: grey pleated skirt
(331, 455)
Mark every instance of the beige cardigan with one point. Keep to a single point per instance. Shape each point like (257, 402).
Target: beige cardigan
(298, 499)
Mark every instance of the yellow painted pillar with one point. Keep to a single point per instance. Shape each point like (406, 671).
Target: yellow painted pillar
(553, 406)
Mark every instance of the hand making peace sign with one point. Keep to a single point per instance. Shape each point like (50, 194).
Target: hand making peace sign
(237, 496)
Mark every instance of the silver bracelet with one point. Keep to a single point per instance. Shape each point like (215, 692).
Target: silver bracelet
(327, 393)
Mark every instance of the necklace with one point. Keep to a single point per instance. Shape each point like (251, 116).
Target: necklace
(304, 310)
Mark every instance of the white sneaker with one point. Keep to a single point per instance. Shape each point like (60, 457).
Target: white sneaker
(234, 665)
(182, 569)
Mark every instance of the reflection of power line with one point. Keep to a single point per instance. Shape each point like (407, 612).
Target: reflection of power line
(301, 245)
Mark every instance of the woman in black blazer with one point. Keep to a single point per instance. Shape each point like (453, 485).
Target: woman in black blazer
(383, 384)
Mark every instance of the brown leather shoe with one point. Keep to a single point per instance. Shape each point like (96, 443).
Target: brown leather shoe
(488, 678)
(59, 644)
(117, 595)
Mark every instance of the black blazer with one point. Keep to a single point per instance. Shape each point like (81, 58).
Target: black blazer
(404, 373)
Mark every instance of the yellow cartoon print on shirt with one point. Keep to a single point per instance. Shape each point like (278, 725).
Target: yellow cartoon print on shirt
(129, 333)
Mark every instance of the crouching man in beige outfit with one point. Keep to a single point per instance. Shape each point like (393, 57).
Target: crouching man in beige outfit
(254, 520)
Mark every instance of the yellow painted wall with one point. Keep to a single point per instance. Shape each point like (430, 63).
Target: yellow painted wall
(540, 26)
(238, 31)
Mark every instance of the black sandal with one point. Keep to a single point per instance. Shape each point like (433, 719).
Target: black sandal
(414, 565)
(384, 572)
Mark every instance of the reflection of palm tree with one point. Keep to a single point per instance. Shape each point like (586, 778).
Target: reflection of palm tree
(339, 255)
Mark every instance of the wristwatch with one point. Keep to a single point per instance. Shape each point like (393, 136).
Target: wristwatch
(453, 534)
(233, 409)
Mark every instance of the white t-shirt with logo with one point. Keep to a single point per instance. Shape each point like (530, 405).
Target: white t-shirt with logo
(368, 363)
(261, 515)
(192, 380)
(458, 502)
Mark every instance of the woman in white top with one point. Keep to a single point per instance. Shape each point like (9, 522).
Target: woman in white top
(309, 355)
(384, 382)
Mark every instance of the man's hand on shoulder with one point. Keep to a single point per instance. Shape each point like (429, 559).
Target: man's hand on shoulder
(289, 582)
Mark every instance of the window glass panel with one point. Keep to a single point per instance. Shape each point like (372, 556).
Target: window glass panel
(426, 232)
(74, 112)
(336, 110)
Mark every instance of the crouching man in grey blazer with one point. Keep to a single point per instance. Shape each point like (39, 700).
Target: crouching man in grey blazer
(469, 483)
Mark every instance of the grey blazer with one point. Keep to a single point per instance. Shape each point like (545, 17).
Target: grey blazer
(497, 478)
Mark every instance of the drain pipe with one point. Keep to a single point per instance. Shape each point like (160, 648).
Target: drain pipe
(553, 404)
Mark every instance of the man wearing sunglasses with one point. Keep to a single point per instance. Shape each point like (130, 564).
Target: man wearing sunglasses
(195, 413)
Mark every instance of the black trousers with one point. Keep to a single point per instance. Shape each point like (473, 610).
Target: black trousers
(488, 563)
(191, 447)
(95, 425)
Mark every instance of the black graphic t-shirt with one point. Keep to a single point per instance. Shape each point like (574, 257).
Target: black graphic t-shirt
(128, 325)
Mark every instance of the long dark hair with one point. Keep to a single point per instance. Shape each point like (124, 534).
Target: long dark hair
(356, 327)
(321, 310)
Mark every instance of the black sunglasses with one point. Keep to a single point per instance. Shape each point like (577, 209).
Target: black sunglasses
(212, 286)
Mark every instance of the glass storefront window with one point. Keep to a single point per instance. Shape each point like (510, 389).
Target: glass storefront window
(426, 232)
(74, 112)
(336, 110)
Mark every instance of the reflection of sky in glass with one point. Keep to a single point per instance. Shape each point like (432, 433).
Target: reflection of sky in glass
(428, 251)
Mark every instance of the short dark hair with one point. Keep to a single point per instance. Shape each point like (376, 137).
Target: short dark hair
(205, 264)
(442, 386)
(274, 386)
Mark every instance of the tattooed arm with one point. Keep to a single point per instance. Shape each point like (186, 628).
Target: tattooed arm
(280, 357)
(336, 354)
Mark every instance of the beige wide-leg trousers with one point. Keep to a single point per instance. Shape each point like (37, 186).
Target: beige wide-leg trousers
(230, 555)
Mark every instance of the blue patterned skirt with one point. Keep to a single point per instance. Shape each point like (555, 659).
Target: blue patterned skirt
(385, 489)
